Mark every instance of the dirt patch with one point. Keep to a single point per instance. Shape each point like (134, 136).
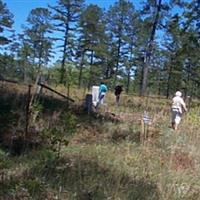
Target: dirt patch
(182, 161)
(88, 135)
(130, 117)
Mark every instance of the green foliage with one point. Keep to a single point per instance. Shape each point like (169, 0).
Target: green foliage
(5, 161)
(9, 67)
(6, 21)
(66, 14)
(193, 117)
(36, 37)
(59, 134)
(37, 106)
(71, 77)
(34, 187)
(112, 44)
(92, 42)
(45, 157)
(8, 114)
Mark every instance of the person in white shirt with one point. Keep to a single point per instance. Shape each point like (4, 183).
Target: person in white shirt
(178, 105)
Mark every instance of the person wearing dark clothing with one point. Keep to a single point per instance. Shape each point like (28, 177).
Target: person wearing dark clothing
(118, 90)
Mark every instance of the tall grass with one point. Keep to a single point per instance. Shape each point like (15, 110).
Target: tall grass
(106, 160)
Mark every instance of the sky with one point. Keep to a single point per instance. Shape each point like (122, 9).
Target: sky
(21, 8)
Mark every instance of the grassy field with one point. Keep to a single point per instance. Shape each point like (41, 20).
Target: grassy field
(69, 154)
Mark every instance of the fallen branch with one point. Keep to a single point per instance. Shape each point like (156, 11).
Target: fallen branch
(58, 93)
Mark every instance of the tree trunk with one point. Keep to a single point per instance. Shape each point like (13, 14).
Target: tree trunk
(149, 51)
(128, 80)
(62, 71)
(81, 70)
(159, 85)
(187, 88)
(40, 62)
(145, 72)
(118, 57)
(91, 63)
(168, 81)
(107, 73)
(25, 75)
(141, 79)
(24, 66)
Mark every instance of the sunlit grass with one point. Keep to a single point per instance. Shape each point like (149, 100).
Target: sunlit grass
(107, 160)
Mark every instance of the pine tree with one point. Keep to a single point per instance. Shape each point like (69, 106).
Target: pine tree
(182, 45)
(93, 41)
(24, 54)
(6, 21)
(36, 35)
(118, 19)
(67, 14)
(148, 51)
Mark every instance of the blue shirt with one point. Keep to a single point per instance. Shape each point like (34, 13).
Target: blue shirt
(103, 88)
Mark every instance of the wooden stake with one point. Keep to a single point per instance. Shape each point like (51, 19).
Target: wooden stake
(142, 132)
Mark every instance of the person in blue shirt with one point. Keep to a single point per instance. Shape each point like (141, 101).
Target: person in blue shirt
(102, 92)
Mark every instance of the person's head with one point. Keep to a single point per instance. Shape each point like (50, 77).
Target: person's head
(178, 94)
(102, 83)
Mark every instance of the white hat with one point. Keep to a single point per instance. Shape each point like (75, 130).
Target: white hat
(178, 94)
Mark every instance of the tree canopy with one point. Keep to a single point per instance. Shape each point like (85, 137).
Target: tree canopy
(153, 49)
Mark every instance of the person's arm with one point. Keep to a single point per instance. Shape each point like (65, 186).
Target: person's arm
(184, 106)
(172, 102)
(106, 89)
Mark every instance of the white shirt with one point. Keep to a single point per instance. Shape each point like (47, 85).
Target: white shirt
(177, 103)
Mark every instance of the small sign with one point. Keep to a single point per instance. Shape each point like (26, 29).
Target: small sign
(147, 119)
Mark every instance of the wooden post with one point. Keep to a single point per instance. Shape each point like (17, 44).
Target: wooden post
(145, 122)
(145, 132)
(88, 103)
(142, 132)
(35, 92)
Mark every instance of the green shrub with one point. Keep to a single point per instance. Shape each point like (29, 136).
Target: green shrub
(5, 162)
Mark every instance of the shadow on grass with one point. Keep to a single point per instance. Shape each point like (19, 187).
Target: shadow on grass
(86, 179)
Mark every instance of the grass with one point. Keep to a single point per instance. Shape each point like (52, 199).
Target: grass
(105, 159)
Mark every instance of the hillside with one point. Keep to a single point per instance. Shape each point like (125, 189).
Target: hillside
(109, 154)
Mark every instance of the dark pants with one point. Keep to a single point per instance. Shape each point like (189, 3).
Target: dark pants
(117, 98)
(101, 96)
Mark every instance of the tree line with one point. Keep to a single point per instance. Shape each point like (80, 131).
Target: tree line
(153, 49)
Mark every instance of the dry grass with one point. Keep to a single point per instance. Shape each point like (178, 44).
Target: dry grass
(107, 160)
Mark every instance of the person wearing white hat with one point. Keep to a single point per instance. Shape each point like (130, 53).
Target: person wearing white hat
(177, 105)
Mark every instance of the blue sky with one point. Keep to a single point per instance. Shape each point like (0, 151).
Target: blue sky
(21, 8)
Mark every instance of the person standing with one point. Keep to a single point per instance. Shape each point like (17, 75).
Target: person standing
(102, 92)
(118, 90)
(178, 105)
